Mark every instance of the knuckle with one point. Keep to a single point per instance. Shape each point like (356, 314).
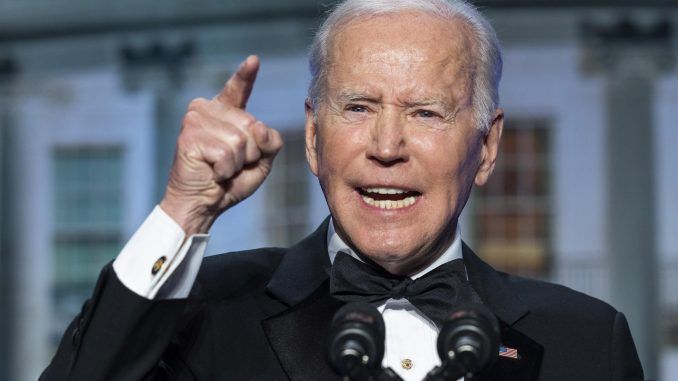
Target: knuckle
(224, 170)
(255, 155)
(277, 140)
(238, 140)
(247, 120)
(227, 157)
(197, 104)
(227, 163)
(223, 156)
(191, 119)
(277, 137)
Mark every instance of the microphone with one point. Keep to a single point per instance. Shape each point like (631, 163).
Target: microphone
(356, 343)
(467, 344)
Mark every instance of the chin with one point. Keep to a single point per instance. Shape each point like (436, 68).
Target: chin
(391, 258)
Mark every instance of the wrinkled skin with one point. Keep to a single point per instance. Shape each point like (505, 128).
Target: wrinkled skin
(397, 113)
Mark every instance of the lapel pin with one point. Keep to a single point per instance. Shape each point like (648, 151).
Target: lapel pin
(511, 353)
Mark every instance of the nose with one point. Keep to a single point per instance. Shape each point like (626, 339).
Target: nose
(388, 144)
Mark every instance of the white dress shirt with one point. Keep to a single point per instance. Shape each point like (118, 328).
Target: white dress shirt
(410, 344)
(159, 243)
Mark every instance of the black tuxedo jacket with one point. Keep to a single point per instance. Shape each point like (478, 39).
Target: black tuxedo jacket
(264, 315)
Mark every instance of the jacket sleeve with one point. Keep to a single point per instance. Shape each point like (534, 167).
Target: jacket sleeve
(624, 362)
(117, 336)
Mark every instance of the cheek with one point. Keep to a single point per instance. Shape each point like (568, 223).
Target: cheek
(332, 159)
(464, 180)
(339, 145)
(453, 168)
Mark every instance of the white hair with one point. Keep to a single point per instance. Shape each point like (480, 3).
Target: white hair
(486, 50)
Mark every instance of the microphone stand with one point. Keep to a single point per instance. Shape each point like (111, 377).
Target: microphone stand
(371, 374)
(450, 370)
(387, 374)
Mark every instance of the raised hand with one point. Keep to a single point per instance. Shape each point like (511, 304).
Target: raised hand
(223, 154)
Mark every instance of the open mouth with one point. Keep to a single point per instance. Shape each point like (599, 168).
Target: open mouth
(388, 198)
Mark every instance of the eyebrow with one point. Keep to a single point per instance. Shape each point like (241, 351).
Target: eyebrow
(354, 96)
(425, 102)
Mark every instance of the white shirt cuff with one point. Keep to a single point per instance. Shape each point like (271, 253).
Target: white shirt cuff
(156, 262)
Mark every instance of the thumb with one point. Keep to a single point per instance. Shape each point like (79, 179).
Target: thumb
(268, 140)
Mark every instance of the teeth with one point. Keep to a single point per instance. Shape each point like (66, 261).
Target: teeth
(389, 204)
(384, 190)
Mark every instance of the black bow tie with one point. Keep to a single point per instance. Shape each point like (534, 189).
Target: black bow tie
(435, 294)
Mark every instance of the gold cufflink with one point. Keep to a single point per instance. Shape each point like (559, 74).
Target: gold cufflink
(407, 364)
(158, 265)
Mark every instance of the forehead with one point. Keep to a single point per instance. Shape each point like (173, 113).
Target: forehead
(407, 49)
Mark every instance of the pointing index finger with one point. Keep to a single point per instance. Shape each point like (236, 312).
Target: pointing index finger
(238, 88)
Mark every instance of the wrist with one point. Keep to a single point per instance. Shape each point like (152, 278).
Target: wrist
(193, 217)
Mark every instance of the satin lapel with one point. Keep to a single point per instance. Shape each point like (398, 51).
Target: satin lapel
(303, 268)
(498, 295)
(298, 336)
(523, 368)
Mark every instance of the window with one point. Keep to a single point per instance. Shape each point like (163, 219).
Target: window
(87, 223)
(512, 212)
(287, 200)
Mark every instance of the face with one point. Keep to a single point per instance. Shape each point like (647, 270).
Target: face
(395, 145)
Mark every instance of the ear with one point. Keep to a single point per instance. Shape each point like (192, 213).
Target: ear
(311, 137)
(490, 148)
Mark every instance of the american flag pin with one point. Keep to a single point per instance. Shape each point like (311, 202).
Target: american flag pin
(511, 353)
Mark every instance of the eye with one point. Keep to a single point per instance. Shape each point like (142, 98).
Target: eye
(426, 114)
(356, 108)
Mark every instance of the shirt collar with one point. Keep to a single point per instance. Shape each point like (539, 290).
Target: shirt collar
(335, 244)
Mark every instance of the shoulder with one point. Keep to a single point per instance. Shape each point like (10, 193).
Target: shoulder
(230, 273)
(551, 299)
(560, 318)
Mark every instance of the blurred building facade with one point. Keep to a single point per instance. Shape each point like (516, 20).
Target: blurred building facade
(92, 95)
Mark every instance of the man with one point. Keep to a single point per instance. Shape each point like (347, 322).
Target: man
(401, 121)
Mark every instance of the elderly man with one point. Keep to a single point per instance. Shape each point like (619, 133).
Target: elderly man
(401, 121)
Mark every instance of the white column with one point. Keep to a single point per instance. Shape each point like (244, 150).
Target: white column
(6, 250)
(631, 58)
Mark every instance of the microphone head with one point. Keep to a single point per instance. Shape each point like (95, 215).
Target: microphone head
(356, 339)
(470, 338)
